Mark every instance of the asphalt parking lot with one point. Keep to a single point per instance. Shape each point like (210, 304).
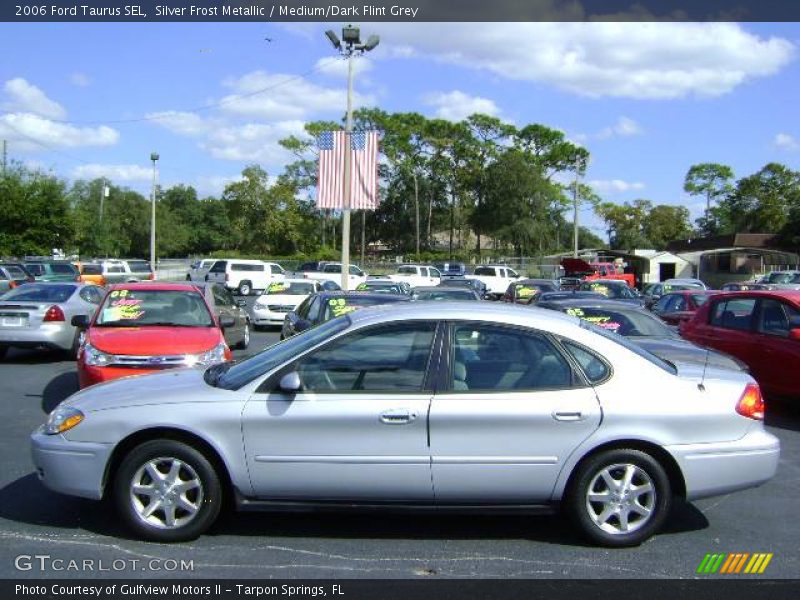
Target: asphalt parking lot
(37, 522)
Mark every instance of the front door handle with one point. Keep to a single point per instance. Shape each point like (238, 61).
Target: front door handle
(399, 416)
(568, 415)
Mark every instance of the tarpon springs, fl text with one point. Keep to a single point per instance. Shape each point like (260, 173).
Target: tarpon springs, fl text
(175, 590)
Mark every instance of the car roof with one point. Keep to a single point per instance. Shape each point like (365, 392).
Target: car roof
(340, 293)
(472, 311)
(594, 303)
(439, 288)
(792, 295)
(607, 282)
(157, 286)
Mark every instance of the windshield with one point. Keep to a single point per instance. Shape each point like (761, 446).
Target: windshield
(232, 376)
(140, 308)
(623, 341)
(92, 270)
(610, 290)
(444, 295)
(341, 305)
(624, 322)
(782, 277)
(700, 299)
(294, 288)
(35, 269)
(138, 266)
(33, 292)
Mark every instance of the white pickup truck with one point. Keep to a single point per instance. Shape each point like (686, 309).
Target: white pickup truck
(496, 277)
(332, 271)
(417, 275)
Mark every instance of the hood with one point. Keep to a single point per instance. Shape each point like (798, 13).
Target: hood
(148, 341)
(166, 387)
(677, 350)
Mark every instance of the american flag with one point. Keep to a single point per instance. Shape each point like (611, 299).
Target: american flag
(363, 169)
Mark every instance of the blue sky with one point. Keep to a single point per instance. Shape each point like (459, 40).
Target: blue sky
(648, 100)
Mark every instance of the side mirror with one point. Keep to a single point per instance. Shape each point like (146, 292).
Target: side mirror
(290, 383)
(241, 302)
(80, 321)
(226, 321)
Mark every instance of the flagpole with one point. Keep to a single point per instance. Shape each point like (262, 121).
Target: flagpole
(348, 151)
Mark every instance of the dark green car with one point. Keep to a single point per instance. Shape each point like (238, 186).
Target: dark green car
(53, 270)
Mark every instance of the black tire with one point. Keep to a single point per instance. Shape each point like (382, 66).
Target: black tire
(246, 339)
(245, 288)
(196, 465)
(3, 352)
(647, 470)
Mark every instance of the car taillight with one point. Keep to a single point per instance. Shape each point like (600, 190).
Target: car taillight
(12, 284)
(54, 313)
(751, 404)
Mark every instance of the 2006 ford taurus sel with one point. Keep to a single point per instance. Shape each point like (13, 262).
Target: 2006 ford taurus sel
(445, 405)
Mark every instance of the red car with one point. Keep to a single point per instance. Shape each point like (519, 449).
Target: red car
(761, 328)
(146, 327)
(676, 307)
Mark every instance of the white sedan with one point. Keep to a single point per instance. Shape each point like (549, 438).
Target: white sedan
(282, 297)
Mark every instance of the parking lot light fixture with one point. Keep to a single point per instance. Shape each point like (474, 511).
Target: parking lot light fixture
(153, 157)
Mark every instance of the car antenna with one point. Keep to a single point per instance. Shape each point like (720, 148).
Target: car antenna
(701, 386)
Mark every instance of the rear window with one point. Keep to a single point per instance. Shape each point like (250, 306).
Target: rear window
(246, 267)
(639, 351)
(488, 271)
(407, 270)
(332, 269)
(37, 270)
(63, 269)
(623, 322)
(33, 292)
(92, 270)
(139, 266)
(15, 272)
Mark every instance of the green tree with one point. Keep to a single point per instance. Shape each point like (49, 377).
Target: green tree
(665, 223)
(713, 181)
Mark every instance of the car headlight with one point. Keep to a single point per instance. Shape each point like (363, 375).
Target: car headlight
(94, 357)
(206, 359)
(62, 419)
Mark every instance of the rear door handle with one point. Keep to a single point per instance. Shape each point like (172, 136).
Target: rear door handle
(398, 416)
(568, 415)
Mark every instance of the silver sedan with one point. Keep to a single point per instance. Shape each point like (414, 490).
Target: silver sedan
(38, 315)
(445, 405)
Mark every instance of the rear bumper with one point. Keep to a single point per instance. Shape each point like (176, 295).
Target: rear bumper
(720, 468)
(74, 468)
(267, 317)
(51, 335)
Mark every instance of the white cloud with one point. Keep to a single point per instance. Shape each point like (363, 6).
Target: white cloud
(784, 141)
(114, 172)
(285, 97)
(456, 105)
(31, 132)
(337, 67)
(635, 60)
(252, 142)
(22, 96)
(615, 186)
(80, 79)
(183, 123)
(214, 185)
(624, 127)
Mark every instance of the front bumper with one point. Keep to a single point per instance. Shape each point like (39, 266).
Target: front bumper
(50, 335)
(720, 468)
(73, 468)
(91, 375)
(268, 317)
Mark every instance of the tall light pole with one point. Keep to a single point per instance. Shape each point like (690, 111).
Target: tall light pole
(349, 46)
(575, 197)
(154, 157)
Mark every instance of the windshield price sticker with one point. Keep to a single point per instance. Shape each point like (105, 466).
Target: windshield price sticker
(526, 292)
(604, 322)
(339, 307)
(361, 287)
(277, 287)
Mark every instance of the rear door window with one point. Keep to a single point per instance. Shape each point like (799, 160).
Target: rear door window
(736, 313)
(776, 318)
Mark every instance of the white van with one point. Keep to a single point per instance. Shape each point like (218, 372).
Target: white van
(243, 275)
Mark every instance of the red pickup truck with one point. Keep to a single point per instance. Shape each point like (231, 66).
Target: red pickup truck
(576, 267)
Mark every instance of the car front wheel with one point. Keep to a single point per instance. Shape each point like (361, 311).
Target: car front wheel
(245, 342)
(167, 491)
(619, 498)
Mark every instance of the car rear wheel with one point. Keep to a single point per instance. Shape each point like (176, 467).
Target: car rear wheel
(245, 337)
(167, 491)
(619, 497)
(245, 288)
